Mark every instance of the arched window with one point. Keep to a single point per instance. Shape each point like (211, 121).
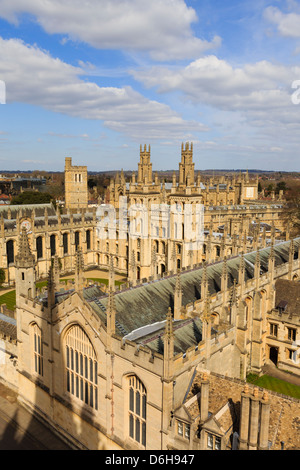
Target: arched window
(81, 367)
(10, 252)
(52, 245)
(137, 410)
(65, 243)
(77, 240)
(39, 247)
(88, 239)
(37, 349)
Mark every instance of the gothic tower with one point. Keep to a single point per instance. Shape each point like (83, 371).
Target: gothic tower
(76, 189)
(144, 166)
(186, 166)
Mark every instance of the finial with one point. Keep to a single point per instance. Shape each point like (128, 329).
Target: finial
(169, 323)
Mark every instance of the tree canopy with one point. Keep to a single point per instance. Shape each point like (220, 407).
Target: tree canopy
(32, 197)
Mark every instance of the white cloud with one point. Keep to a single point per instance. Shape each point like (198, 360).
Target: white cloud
(162, 28)
(247, 105)
(33, 76)
(288, 24)
(253, 88)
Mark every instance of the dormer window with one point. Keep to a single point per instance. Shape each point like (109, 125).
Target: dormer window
(183, 429)
(213, 442)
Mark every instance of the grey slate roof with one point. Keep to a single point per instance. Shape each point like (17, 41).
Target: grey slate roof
(148, 304)
(8, 326)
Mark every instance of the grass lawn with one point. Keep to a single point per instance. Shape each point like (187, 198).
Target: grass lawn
(10, 297)
(274, 384)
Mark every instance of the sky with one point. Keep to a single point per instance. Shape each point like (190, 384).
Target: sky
(95, 79)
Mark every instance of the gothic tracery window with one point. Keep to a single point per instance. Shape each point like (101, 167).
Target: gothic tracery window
(37, 350)
(81, 367)
(137, 410)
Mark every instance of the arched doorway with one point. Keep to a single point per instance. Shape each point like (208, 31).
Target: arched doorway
(274, 355)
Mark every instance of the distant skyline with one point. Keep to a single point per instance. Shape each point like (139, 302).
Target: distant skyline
(93, 80)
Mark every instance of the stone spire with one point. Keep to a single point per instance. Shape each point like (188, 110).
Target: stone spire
(241, 275)
(25, 269)
(224, 276)
(24, 258)
(174, 257)
(111, 313)
(56, 271)
(257, 266)
(168, 345)
(111, 275)
(169, 324)
(206, 329)
(153, 262)
(233, 294)
(168, 371)
(177, 297)
(79, 267)
(133, 267)
(204, 282)
(51, 288)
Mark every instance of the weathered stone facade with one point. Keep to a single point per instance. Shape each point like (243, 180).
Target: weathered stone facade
(110, 370)
(161, 362)
(76, 189)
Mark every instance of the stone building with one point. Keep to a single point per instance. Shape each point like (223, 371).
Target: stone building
(284, 321)
(232, 222)
(76, 187)
(233, 219)
(160, 365)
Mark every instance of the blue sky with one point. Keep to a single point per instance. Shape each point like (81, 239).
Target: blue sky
(93, 80)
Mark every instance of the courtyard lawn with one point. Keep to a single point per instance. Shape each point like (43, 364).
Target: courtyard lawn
(9, 298)
(274, 384)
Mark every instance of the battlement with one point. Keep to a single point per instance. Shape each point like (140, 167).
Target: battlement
(187, 149)
(70, 167)
(144, 152)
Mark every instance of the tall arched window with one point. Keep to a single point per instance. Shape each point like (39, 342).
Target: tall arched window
(66, 243)
(137, 410)
(37, 349)
(77, 240)
(88, 239)
(52, 245)
(10, 252)
(81, 367)
(39, 247)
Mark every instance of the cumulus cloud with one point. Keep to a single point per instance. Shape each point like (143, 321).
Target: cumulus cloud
(163, 28)
(250, 103)
(33, 76)
(288, 24)
(258, 87)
